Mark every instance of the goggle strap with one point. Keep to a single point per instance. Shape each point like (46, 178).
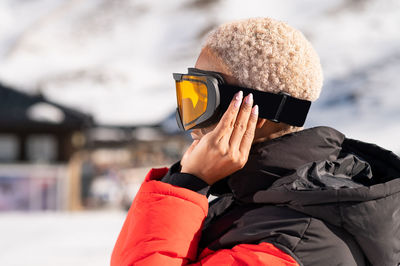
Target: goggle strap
(275, 107)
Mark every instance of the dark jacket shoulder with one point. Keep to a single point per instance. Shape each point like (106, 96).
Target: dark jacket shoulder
(314, 193)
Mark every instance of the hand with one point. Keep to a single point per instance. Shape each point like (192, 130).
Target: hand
(225, 149)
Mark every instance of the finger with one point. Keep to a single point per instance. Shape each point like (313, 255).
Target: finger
(192, 146)
(248, 135)
(241, 123)
(225, 125)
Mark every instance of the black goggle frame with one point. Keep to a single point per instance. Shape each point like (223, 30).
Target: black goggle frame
(279, 107)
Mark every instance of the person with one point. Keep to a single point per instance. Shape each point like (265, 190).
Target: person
(284, 195)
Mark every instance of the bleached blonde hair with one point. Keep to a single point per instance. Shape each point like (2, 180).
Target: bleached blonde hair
(268, 55)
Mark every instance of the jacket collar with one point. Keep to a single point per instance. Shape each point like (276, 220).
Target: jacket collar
(268, 161)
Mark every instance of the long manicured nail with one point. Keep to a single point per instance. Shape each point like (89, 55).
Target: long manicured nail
(238, 98)
(254, 111)
(249, 99)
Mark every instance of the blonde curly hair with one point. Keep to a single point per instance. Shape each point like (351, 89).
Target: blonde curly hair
(268, 55)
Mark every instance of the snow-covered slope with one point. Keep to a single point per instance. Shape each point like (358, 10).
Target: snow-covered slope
(114, 59)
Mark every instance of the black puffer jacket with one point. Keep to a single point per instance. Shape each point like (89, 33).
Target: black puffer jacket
(323, 198)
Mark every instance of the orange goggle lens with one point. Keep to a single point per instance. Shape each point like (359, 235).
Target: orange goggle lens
(191, 94)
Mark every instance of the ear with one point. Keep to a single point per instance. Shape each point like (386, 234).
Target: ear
(261, 122)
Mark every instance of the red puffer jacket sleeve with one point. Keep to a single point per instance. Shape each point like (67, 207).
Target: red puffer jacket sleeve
(163, 227)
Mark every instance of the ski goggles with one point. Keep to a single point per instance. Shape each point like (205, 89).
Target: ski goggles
(203, 97)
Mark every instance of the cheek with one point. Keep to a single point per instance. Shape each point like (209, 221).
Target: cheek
(199, 133)
(208, 129)
(204, 131)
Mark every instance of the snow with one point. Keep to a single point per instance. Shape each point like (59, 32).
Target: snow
(45, 112)
(102, 58)
(63, 239)
(114, 59)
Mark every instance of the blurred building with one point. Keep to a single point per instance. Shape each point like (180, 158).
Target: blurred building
(37, 139)
(117, 158)
(35, 129)
(54, 158)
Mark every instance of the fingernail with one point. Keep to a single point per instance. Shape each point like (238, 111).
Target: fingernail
(249, 99)
(254, 111)
(238, 98)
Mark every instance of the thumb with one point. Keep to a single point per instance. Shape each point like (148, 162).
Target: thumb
(189, 150)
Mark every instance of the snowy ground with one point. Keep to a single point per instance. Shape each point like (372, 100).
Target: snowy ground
(57, 238)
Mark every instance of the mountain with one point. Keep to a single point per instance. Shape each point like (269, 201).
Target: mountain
(114, 59)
